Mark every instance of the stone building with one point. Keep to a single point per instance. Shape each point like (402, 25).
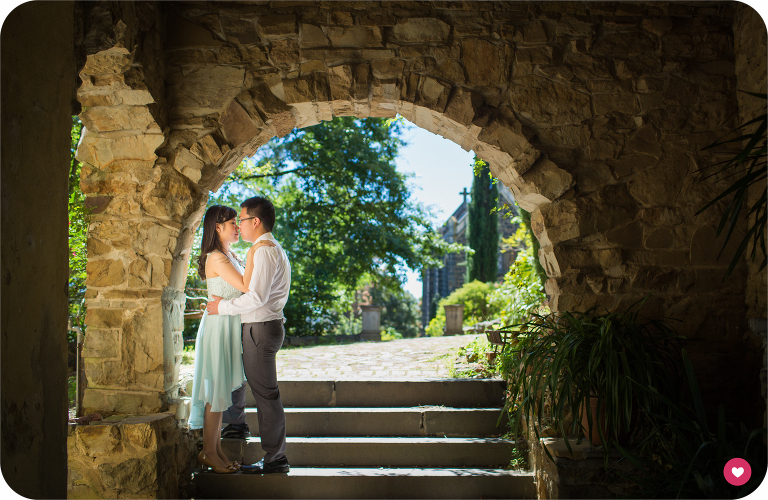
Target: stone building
(439, 282)
(594, 114)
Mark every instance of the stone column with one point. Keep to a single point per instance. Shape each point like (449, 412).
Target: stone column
(454, 319)
(139, 203)
(371, 323)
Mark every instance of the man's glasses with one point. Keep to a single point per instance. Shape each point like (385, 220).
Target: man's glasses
(240, 221)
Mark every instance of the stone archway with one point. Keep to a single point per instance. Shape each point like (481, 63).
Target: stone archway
(593, 114)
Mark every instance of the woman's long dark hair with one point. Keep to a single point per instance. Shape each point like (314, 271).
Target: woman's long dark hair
(217, 214)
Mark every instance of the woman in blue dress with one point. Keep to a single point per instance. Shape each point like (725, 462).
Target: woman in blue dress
(218, 348)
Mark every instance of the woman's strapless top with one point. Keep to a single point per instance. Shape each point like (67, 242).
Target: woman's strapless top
(218, 286)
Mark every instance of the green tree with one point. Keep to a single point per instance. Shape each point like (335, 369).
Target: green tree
(344, 214)
(401, 310)
(483, 227)
(78, 231)
(474, 295)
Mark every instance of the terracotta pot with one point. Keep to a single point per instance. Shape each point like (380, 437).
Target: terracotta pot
(623, 438)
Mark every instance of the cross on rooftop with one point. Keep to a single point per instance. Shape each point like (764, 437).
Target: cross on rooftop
(465, 193)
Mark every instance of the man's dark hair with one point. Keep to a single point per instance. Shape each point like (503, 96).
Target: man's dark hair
(262, 208)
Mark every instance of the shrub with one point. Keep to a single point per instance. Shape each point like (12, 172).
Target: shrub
(474, 296)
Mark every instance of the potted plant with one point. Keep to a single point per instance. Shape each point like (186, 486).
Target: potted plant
(566, 359)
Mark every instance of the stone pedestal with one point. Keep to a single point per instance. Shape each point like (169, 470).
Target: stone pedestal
(581, 474)
(454, 319)
(130, 456)
(371, 323)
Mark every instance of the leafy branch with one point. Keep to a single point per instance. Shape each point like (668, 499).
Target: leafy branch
(748, 165)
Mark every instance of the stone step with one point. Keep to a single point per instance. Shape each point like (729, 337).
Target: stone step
(457, 393)
(414, 421)
(381, 451)
(368, 483)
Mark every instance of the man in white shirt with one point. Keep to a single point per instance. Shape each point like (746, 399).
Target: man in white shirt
(261, 313)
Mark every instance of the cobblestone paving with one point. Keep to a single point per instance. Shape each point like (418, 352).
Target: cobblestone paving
(407, 358)
(427, 357)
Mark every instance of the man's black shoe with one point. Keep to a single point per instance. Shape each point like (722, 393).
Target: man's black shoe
(235, 431)
(276, 466)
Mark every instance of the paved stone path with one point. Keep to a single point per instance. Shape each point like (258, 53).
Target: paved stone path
(407, 358)
(427, 357)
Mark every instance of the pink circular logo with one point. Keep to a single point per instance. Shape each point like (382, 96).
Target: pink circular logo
(737, 471)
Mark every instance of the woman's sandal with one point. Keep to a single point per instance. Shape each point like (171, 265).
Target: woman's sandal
(204, 462)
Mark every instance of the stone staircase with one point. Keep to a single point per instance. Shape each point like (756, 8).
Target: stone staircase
(374, 439)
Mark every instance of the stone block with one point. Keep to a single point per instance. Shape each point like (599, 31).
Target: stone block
(660, 238)
(107, 272)
(241, 31)
(143, 334)
(284, 53)
(305, 114)
(385, 69)
(506, 135)
(170, 195)
(420, 30)
(354, 37)
(462, 105)
(542, 184)
(101, 343)
(211, 152)
(112, 118)
(97, 440)
(431, 90)
(660, 185)
(102, 149)
(278, 24)
(624, 43)
(187, 164)
(422, 65)
(114, 95)
(206, 88)
(237, 126)
(451, 70)
(629, 236)
(384, 96)
(229, 56)
(615, 103)
(113, 61)
(155, 239)
(556, 222)
(485, 63)
(680, 92)
(274, 110)
(547, 102)
(535, 55)
(643, 142)
(591, 176)
(313, 66)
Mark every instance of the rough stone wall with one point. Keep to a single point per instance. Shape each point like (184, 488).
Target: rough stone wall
(133, 345)
(750, 41)
(37, 91)
(130, 457)
(593, 113)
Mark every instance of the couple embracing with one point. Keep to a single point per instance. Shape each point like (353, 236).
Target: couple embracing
(240, 334)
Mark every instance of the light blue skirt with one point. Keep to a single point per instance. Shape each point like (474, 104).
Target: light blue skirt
(218, 365)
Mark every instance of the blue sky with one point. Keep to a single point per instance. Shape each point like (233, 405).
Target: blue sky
(442, 169)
